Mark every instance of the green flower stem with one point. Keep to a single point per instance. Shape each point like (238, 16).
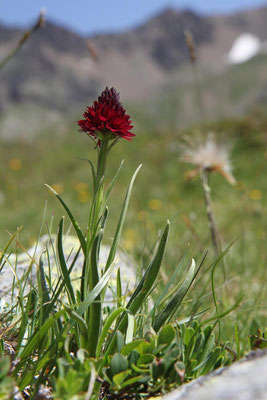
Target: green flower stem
(98, 202)
(90, 276)
(102, 162)
(95, 214)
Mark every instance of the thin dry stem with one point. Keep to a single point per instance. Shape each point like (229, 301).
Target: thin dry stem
(212, 224)
(26, 35)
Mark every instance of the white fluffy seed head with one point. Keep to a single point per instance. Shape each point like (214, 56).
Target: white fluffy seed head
(210, 156)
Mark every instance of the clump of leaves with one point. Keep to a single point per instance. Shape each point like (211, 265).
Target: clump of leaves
(76, 377)
(159, 362)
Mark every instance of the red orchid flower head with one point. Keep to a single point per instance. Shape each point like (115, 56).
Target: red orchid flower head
(106, 118)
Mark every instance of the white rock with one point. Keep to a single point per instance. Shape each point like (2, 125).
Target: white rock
(16, 267)
(243, 380)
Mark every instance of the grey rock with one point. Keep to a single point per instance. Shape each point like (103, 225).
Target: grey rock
(243, 380)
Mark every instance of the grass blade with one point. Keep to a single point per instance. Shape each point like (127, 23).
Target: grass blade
(63, 265)
(111, 318)
(93, 173)
(81, 322)
(73, 221)
(96, 291)
(2, 253)
(116, 239)
(43, 290)
(58, 288)
(119, 287)
(37, 337)
(150, 275)
(174, 303)
(95, 309)
(167, 292)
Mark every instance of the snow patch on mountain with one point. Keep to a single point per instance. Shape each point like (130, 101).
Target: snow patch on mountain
(244, 48)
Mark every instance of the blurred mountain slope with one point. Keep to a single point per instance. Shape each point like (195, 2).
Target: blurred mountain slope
(58, 72)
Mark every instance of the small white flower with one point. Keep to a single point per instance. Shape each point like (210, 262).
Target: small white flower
(209, 156)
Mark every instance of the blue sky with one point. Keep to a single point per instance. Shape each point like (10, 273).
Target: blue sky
(89, 16)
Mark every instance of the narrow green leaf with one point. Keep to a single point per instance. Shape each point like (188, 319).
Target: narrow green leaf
(120, 377)
(208, 347)
(150, 275)
(93, 173)
(167, 313)
(96, 223)
(58, 289)
(223, 314)
(189, 333)
(119, 291)
(140, 379)
(111, 318)
(37, 337)
(209, 363)
(140, 369)
(95, 292)
(81, 322)
(43, 289)
(2, 253)
(73, 221)
(167, 291)
(63, 265)
(117, 235)
(183, 321)
(96, 214)
(104, 219)
(198, 346)
(95, 309)
(24, 326)
(207, 332)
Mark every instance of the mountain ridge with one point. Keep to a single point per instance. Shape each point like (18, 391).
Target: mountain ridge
(61, 71)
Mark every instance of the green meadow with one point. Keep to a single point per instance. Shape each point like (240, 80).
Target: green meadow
(185, 200)
(161, 192)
